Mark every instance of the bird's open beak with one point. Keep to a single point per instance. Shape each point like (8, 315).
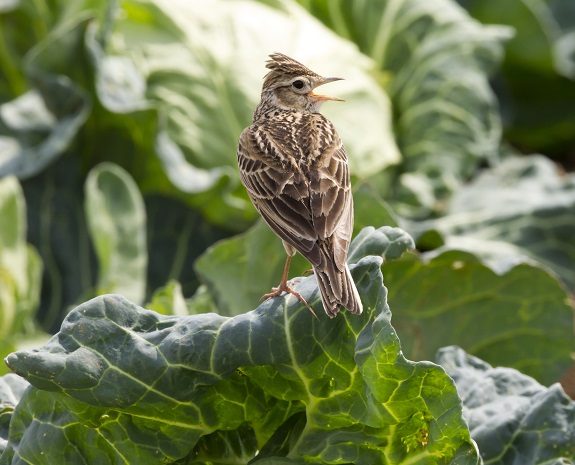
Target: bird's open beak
(323, 98)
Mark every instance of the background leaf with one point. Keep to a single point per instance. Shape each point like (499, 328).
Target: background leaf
(369, 208)
(61, 234)
(195, 161)
(238, 271)
(169, 300)
(540, 55)
(522, 207)
(116, 218)
(38, 126)
(20, 270)
(521, 318)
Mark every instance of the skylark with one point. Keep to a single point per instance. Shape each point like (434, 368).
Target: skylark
(294, 167)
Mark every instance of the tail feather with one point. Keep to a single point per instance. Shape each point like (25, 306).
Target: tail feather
(338, 289)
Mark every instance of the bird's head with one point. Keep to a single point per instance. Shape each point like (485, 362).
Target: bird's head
(290, 85)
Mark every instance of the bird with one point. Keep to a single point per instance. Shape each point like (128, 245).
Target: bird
(295, 170)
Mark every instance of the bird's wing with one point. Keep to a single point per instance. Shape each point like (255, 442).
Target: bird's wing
(331, 201)
(278, 190)
(310, 210)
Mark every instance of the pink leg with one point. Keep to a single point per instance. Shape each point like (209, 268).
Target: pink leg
(283, 287)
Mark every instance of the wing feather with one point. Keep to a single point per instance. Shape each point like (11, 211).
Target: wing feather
(332, 202)
(309, 205)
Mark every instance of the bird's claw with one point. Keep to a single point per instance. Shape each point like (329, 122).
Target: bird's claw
(277, 291)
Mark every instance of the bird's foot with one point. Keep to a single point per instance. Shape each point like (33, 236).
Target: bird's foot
(283, 287)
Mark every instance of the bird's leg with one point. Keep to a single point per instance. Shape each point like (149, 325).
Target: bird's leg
(283, 287)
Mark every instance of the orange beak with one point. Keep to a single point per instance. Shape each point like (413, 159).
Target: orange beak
(323, 98)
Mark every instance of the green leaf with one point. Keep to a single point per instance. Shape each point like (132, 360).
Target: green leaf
(116, 219)
(131, 384)
(169, 300)
(11, 390)
(128, 92)
(522, 207)
(512, 417)
(240, 443)
(369, 208)
(238, 271)
(177, 236)
(536, 30)
(541, 27)
(283, 438)
(434, 60)
(202, 302)
(520, 318)
(13, 253)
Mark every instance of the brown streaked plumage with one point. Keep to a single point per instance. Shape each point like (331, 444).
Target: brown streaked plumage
(293, 165)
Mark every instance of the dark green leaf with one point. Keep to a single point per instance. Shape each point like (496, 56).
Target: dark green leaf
(540, 56)
(511, 416)
(218, 447)
(177, 235)
(40, 125)
(283, 439)
(131, 383)
(57, 226)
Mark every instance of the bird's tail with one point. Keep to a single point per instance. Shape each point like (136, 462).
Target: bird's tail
(337, 288)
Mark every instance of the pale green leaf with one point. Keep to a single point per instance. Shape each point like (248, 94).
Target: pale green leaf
(116, 219)
(20, 269)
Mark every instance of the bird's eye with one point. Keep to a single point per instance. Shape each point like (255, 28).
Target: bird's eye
(298, 84)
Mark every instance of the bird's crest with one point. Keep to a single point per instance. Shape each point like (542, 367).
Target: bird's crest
(281, 63)
(281, 66)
